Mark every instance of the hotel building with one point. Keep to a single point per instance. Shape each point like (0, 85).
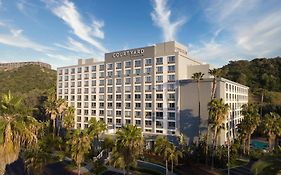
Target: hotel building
(149, 87)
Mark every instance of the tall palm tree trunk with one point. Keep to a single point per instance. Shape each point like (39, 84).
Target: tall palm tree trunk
(79, 169)
(172, 166)
(248, 144)
(167, 167)
(199, 112)
(214, 147)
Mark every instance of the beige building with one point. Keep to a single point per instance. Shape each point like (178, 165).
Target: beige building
(143, 86)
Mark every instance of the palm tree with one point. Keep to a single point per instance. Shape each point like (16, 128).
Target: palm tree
(198, 76)
(216, 73)
(272, 127)
(129, 145)
(161, 148)
(243, 135)
(217, 113)
(80, 145)
(68, 118)
(51, 109)
(250, 122)
(35, 160)
(96, 127)
(61, 106)
(16, 130)
(172, 154)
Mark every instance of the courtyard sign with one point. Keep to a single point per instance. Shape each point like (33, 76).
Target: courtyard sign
(135, 52)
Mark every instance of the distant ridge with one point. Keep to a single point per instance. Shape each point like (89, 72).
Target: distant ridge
(14, 65)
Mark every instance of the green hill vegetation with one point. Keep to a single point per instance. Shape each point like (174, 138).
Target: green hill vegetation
(30, 82)
(262, 75)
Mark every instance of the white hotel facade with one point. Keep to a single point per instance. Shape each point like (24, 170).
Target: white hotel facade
(149, 87)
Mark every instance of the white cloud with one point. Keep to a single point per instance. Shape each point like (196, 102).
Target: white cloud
(17, 39)
(242, 29)
(75, 46)
(161, 17)
(67, 11)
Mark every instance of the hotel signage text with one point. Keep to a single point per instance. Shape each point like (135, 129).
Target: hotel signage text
(135, 52)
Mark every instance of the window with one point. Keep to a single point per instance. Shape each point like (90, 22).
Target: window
(127, 113)
(148, 105)
(159, 106)
(148, 88)
(79, 69)
(109, 89)
(171, 106)
(171, 97)
(171, 87)
(159, 87)
(101, 112)
(171, 69)
(101, 89)
(94, 75)
(93, 90)
(171, 77)
(94, 68)
(137, 63)
(101, 105)
(118, 81)
(86, 69)
(65, 71)
(159, 60)
(109, 82)
(119, 73)
(128, 97)
(159, 124)
(118, 65)
(148, 70)
(159, 96)
(101, 82)
(110, 73)
(137, 80)
(171, 59)
(171, 116)
(159, 78)
(73, 70)
(109, 105)
(137, 113)
(137, 88)
(148, 96)
(128, 80)
(118, 105)
(171, 125)
(127, 105)
(119, 113)
(101, 67)
(109, 120)
(137, 96)
(127, 64)
(148, 79)
(138, 122)
(159, 69)
(127, 72)
(101, 74)
(138, 71)
(148, 61)
(118, 97)
(148, 123)
(138, 105)
(128, 88)
(109, 66)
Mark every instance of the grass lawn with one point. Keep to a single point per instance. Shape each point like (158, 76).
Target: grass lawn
(267, 165)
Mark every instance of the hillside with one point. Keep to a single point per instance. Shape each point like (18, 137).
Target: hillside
(262, 75)
(30, 82)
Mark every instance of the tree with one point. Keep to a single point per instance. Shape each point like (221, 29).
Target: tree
(16, 130)
(218, 112)
(80, 145)
(161, 147)
(216, 73)
(198, 76)
(68, 118)
(129, 146)
(271, 125)
(249, 123)
(51, 109)
(61, 106)
(172, 154)
(35, 159)
(96, 127)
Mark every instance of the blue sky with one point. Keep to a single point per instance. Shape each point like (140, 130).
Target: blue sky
(59, 32)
